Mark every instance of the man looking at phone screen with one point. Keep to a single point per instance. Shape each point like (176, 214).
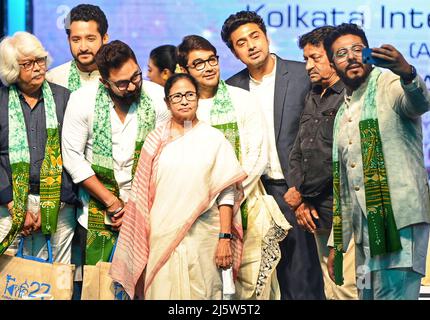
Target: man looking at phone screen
(381, 192)
(310, 175)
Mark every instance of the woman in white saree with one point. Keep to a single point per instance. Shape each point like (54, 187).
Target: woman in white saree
(182, 224)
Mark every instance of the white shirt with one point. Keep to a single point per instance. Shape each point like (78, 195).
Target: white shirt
(253, 141)
(264, 93)
(60, 75)
(77, 138)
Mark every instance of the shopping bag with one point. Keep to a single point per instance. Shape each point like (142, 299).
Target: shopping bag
(31, 278)
(98, 285)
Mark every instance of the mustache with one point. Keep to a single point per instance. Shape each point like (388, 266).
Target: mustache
(85, 53)
(353, 64)
(38, 74)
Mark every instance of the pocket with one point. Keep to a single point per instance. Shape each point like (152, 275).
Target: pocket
(327, 124)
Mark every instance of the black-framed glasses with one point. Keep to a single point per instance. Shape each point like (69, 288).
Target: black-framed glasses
(122, 85)
(201, 64)
(342, 54)
(29, 65)
(177, 97)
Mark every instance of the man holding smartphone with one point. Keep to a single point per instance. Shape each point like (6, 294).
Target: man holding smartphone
(381, 191)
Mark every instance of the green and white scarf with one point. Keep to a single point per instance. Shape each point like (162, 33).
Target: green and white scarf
(101, 239)
(74, 81)
(50, 172)
(223, 118)
(383, 234)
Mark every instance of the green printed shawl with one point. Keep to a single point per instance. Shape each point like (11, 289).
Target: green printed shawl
(74, 81)
(383, 234)
(50, 172)
(100, 238)
(223, 117)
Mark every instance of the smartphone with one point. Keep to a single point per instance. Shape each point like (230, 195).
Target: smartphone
(368, 59)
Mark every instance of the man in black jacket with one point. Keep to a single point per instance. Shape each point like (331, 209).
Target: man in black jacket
(280, 86)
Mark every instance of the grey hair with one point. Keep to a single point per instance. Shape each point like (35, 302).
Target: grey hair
(19, 46)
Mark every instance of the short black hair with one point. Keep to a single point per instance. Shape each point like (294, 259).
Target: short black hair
(315, 37)
(342, 30)
(164, 57)
(175, 78)
(112, 56)
(191, 43)
(87, 12)
(238, 19)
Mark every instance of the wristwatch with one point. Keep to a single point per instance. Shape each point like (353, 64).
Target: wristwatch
(225, 236)
(411, 76)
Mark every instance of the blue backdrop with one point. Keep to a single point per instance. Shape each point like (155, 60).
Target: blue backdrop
(150, 23)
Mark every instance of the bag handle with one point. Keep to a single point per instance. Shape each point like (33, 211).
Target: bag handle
(113, 251)
(20, 254)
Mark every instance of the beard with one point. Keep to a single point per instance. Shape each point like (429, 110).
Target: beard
(85, 64)
(128, 98)
(356, 82)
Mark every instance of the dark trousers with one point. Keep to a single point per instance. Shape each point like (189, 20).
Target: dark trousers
(299, 271)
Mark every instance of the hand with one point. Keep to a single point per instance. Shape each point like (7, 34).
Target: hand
(330, 264)
(117, 220)
(10, 207)
(223, 257)
(28, 224)
(304, 214)
(396, 62)
(293, 198)
(37, 222)
(116, 204)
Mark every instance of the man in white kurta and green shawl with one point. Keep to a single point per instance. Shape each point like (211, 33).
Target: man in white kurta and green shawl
(236, 114)
(86, 27)
(103, 134)
(381, 192)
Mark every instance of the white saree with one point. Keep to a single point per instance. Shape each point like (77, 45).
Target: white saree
(177, 250)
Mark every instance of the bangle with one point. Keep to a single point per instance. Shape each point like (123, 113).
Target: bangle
(112, 213)
(225, 236)
(109, 205)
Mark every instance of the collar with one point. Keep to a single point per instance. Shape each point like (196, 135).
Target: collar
(88, 75)
(270, 75)
(338, 87)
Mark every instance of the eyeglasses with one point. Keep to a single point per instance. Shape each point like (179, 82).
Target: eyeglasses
(342, 54)
(122, 85)
(177, 97)
(29, 65)
(199, 65)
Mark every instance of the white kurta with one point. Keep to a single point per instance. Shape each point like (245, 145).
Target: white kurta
(60, 75)
(77, 135)
(253, 139)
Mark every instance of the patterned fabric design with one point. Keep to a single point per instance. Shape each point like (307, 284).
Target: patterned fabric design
(271, 254)
(101, 239)
(74, 81)
(19, 155)
(223, 118)
(383, 234)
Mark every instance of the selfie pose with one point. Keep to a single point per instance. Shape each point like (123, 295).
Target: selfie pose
(381, 193)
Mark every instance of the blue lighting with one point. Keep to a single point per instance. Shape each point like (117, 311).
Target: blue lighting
(16, 16)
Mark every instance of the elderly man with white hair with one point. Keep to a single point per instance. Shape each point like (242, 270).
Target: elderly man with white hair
(37, 196)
